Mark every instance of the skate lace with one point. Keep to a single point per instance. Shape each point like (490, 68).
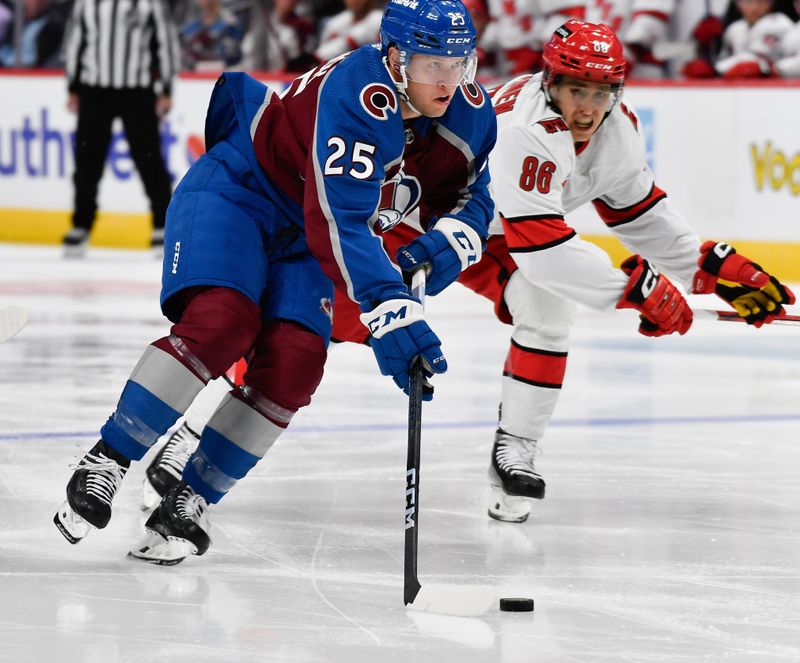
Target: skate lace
(176, 451)
(190, 505)
(104, 476)
(517, 456)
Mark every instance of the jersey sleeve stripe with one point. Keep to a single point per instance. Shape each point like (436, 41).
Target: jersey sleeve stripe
(535, 233)
(617, 217)
(541, 368)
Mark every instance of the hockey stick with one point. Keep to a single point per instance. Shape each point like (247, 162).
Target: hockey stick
(411, 586)
(12, 320)
(732, 316)
(459, 601)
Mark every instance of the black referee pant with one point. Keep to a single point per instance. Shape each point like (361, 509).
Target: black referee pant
(96, 112)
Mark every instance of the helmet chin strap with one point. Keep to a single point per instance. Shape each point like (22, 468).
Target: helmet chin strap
(402, 85)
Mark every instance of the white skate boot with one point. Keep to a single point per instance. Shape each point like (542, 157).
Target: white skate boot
(513, 478)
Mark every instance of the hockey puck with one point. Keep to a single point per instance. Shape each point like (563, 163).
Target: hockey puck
(516, 605)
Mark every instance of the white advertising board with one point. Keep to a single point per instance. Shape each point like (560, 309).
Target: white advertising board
(729, 157)
(37, 133)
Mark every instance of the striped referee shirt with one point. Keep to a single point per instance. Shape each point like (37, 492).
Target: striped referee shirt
(122, 44)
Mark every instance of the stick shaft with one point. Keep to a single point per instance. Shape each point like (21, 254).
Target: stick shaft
(411, 584)
(732, 316)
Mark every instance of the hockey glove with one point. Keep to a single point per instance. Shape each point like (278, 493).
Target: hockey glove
(749, 69)
(448, 248)
(662, 307)
(698, 68)
(707, 30)
(756, 296)
(398, 335)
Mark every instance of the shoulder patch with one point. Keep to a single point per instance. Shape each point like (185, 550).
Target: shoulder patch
(378, 100)
(473, 94)
(554, 125)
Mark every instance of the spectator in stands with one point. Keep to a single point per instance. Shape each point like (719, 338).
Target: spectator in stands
(6, 20)
(278, 38)
(479, 13)
(212, 41)
(752, 42)
(358, 24)
(788, 66)
(511, 36)
(42, 34)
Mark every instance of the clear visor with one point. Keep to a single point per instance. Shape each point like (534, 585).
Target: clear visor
(438, 70)
(582, 93)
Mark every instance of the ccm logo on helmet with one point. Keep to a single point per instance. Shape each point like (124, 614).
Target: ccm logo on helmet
(597, 65)
(411, 4)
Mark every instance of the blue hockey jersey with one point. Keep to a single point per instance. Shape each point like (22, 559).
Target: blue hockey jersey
(323, 150)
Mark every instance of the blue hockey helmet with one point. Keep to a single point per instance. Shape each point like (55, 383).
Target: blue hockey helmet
(439, 28)
(432, 27)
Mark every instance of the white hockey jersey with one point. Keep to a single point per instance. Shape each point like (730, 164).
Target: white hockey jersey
(789, 64)
(539, 175)
(762, 41)
(343, 33)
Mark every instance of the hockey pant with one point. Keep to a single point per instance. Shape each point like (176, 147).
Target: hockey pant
(239, 281)
(284, 371)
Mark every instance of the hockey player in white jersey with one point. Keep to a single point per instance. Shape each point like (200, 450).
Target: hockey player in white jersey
(565, 139)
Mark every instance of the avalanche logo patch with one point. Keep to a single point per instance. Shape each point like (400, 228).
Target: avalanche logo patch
(473, 94)
(378, 100)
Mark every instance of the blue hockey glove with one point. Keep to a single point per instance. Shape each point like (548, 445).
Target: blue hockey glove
(399, 334)
(448, 248)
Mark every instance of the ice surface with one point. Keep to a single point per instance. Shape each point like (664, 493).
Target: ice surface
(670, 531)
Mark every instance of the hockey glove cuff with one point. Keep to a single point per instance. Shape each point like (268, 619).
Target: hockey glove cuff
(399, 335)
(755, 295)
(448, 249)
(662, 307)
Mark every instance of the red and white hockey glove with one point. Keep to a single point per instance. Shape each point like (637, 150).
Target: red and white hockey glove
(698, 68)
(663, 308)
(750, 69)
(757, 296)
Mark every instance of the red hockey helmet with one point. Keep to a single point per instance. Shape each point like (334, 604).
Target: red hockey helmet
(586, 51)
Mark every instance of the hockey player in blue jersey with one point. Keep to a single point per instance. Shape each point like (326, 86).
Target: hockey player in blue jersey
(283, 208)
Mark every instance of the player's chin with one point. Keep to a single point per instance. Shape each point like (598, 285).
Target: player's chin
(439, 105)
(582, 130)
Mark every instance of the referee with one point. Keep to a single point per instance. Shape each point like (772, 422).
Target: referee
(121, 56)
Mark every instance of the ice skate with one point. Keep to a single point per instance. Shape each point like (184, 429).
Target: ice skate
(513, 478)
(90, 491)
(75, 243)
(177, 528)
(167, 467)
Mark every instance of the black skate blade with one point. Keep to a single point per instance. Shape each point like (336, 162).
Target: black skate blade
(73, 540)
